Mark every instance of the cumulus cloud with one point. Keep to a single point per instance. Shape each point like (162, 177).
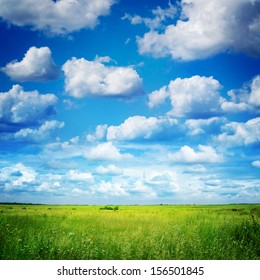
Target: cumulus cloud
(85, 78)
(140, 189)
(37, 65)
(162, 182)
(47, 130)
(186, 154)
(19, 108)
(75, 175)
(17, 177)
(254, 96)
(105, 151)
(20, 177)
(190, 97)
(199, 97)
(206, 28)
(78, 191)
(246, 99)
(256, 163)
(110, 189)
(56, 17)
(100, 133)
(158, 97)
(240, 133)
(140, 127)
(202, 126)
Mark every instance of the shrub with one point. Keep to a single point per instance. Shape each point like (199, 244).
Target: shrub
(107, 207)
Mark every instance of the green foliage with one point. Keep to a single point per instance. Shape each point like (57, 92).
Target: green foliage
(134, 232)
(107, 207)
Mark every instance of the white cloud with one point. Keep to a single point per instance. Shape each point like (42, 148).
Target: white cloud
(199, 97)
(85, 78)
(17, 177)
(105, 151)
(246, 99)
(150, 181)
(75, 175)
(239, 133)
(46, 131)
(197, 168)
(63, 150)
(37, 65)
(78, 191)
(57, 17)
(133, 19)
(254, 97)
(46, 187)
(140, 189)
(110, 189)
(158, 97)
(194, 97)
(256, 163)
(100, 133)
(206, 28)
(162, 181)
(229, 106)
(140, 127)
(202, 126)
(160, 15)
(186, 154)
(109, 170)
(18, 107)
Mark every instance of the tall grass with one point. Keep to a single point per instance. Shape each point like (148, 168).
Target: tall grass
(132, 232)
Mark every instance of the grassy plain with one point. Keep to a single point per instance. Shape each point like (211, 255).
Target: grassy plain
(50, 232)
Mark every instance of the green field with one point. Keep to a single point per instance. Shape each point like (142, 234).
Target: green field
(213, 232)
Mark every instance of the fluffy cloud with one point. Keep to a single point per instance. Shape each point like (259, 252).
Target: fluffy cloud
(37, 65)
(140, 189)
(199, 97)
(100, 133)
(239, 133)
(17, 177)
(193, 97)
(19, 108)
(246, 99)
(57, 17)
(109, 170)
(162, 182)
(256, 163)
(186, 154)
(140, 127)
(74, 175)
(202, 126)
(158, 97)
(92, 78)
(206, 28)
(105, 151)
(46, 131)
(110, 189)
(254, 96)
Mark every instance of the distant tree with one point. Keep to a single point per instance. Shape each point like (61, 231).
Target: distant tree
(107, 207)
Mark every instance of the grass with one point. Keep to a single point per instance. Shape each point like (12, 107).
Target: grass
(131, 232)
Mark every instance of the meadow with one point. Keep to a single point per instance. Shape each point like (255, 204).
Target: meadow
(184, 232)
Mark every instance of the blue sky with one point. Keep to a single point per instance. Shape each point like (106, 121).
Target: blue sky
(122, 102)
